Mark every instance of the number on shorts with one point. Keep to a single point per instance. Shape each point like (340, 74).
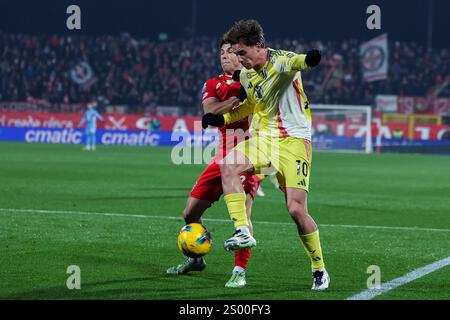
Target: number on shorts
(302, 166)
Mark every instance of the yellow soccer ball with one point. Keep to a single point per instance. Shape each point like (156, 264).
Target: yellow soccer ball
(194, 240)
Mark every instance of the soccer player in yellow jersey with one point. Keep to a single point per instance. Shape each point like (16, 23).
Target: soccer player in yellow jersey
(280, 137)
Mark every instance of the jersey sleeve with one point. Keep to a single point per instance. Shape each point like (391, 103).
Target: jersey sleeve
(243, 111)
(243, 81)
(99, 117)
(83, 120)
(209, 90)
(234, 88)
(290, 62)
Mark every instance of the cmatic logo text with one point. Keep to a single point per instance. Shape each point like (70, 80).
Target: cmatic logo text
(53, 136)
(130, 139)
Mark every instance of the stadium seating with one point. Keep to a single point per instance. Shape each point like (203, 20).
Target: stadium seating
(142, 73)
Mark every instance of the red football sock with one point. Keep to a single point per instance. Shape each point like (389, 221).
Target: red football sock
(241, 258)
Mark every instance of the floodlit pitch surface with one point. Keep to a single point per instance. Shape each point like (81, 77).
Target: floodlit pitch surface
(116, 213)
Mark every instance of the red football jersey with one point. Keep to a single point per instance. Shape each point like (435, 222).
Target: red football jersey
(222, 88)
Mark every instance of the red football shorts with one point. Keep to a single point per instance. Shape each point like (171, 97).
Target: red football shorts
(209, 184)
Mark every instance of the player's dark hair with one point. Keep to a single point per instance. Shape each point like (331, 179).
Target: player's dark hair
(248, 32)
(224, 40)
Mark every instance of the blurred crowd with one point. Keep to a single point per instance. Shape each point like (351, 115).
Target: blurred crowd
(143, 74)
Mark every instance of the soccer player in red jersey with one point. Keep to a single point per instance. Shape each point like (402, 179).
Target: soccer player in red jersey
(219, 96)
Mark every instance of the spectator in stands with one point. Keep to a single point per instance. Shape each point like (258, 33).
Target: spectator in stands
(65, 72)
(397, 133)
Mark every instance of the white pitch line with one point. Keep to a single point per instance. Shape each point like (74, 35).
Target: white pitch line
(409, 277)
(216, 220)
(386, 227)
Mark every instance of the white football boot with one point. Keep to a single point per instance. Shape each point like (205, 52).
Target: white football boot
(321, 280)
(241, 239)
(188, 265)
(237, 279)
(260, 192)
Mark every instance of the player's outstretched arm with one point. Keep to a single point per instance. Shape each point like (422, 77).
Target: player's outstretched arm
(241, 112)
(313, 58)
(301, 62)
(214, 106)
(82, 122)
(98, 116)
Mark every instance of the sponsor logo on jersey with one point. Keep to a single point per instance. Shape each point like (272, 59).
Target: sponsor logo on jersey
(290, 54)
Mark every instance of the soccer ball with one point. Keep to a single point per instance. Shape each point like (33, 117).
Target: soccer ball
(194, 240)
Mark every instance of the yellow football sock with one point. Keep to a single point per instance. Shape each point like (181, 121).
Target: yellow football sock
(236, 208)
(311, 243)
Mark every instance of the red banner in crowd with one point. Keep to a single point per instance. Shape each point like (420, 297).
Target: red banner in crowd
(112, 121)
(413, 105)
(421, 105)
(171, 123)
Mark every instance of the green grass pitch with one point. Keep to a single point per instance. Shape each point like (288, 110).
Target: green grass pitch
(116, 213)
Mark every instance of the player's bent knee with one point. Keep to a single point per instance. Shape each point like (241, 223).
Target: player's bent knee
(296, 202)
(234, 163)
(228, 170)
(297, 209)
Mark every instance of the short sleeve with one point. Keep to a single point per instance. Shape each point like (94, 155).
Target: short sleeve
(209, 90)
